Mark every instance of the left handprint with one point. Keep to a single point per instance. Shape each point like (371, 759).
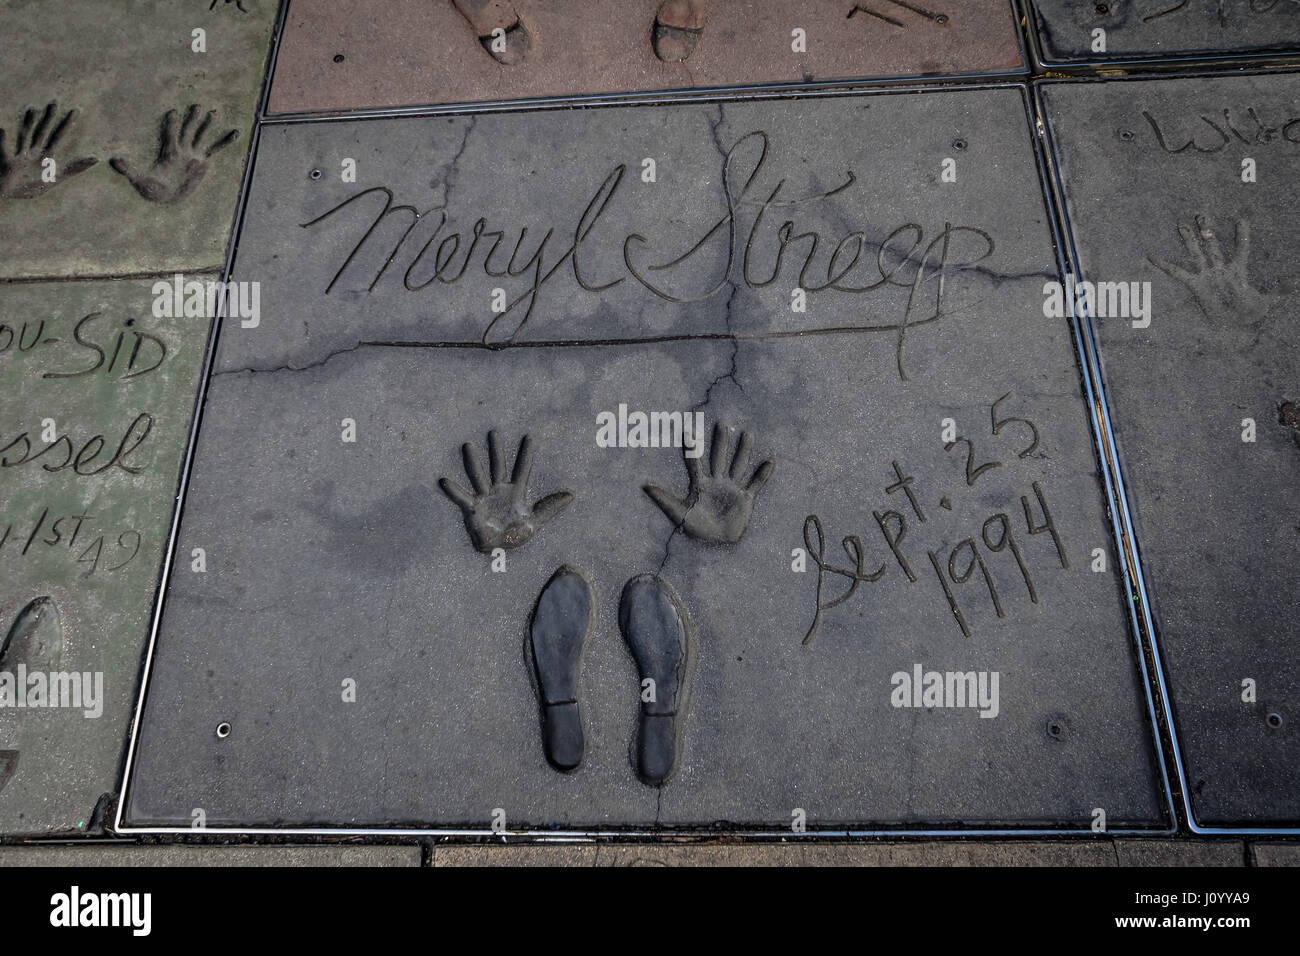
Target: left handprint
(23, 173)
(497, 514)
(181, 162)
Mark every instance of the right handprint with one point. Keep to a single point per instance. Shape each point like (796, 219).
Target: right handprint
(182, 159)
(1218, 280)
(719, 502)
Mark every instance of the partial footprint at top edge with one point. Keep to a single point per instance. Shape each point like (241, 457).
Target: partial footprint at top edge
(679, 24)
(499, 28)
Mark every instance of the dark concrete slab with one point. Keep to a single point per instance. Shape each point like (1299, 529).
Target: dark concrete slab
(1164, 29)
(130, 194)
(335, 564)
(337, 55)
(96, 406)
(1217, 517)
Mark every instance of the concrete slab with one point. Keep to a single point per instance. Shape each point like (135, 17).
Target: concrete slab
(1277, 854)
(1203, 400)
(336, 55)
(1034, 853)
(1164, 29)
(173, 856)
(103, 90)
(97, 399)
(1180, 852)
(351, 658)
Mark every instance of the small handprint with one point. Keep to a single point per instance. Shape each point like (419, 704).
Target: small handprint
(1219, 282)
(498, 515)
(21, 173)
(719, 503)
(181, 161)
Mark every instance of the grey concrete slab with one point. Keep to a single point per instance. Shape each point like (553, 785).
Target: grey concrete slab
(1164, 29)
(1219, 852)
(337, 55)
(366, 664)
(127, 855)
(97, 394)
(104, 171)
(1277, 854)
(1201, 400)
(1005, 853)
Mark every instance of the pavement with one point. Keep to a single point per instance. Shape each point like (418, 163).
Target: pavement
(661, 427)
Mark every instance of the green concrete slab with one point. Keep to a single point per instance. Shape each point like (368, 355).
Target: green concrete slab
(104, 89)
(128, 855)
(95, 403)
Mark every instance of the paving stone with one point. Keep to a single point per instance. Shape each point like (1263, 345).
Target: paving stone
(1180, 852)
(135, 856)
(336, 55)
(371, 667)
(1204, 400)
(1277, 854)
(1164, 29)
(138, 188)
(96, 412)
(1032, 853)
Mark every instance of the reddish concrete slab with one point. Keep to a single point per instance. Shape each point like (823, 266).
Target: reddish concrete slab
(338, 55)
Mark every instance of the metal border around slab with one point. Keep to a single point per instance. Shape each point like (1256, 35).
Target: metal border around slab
(1152, 64)
(1106, 433)
(1089, 392)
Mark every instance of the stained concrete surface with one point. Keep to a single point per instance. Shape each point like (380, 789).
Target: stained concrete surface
(370, 663)
(1155, 181)
(186, 856)
(337, 55)
(96, 413)
(1165, 29)
(162, 184)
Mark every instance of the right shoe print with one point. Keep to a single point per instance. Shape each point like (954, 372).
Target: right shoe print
(657, 632)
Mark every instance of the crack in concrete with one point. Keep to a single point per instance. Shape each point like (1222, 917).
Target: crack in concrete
(704, 403)
(254, 370)
(453, 171)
